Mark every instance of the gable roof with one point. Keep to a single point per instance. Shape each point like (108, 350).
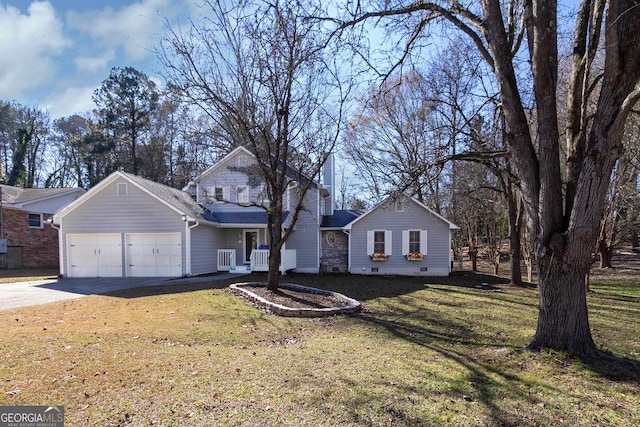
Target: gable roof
(177, 200)
(17, 196)
(290, 172)
(452, 226)
(340, 218)
(218, 164)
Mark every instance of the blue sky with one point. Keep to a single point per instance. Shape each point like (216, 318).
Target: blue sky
(55, 53)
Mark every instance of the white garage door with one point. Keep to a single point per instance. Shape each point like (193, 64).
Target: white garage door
(154, 255)
(94, 255)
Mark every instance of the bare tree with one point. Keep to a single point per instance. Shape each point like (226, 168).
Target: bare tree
(623, 201)
(563, 224)
(259, 69)
(393, 142)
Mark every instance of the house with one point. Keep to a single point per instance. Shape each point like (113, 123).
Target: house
(25, 240)
(127, 226)
(399, 236)
(235, 200)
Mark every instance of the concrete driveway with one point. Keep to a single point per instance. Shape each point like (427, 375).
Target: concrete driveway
(22, 294)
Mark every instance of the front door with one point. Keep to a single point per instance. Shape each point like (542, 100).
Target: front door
(250, 243)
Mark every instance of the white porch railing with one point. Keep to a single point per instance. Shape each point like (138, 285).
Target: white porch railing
(226, 259)
(260, 260)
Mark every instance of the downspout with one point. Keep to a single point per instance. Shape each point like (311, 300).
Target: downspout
(450, 254)
(187, 237)
(60, 262)
(348, 233)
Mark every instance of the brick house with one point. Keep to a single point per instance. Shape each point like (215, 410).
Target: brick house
(26, 239)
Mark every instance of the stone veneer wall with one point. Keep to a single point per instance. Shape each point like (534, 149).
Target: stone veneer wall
(335, 257)
(38, 246)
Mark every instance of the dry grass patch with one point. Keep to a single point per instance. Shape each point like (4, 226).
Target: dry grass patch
(423, 352)
(27, 274)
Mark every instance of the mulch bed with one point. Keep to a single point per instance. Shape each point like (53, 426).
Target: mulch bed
(297, 299)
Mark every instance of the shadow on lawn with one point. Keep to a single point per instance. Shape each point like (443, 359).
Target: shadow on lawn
(360, 287)
(487, 361)
(364, 288)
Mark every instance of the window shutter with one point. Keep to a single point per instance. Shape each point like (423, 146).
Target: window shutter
(405, 242)
(369, 242)
(423, 242)
(210, 194)
(387, 242)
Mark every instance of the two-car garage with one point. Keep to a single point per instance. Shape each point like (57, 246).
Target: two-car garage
(128, 226)
(124, 254)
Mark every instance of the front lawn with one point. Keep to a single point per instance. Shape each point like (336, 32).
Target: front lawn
(434, 351)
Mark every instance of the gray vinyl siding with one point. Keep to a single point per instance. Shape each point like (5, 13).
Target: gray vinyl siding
(205, 242)
(305, 238)
(226, 177)
(414, 217)
(108, 212)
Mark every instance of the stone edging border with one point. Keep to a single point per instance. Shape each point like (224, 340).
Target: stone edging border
(280, 310)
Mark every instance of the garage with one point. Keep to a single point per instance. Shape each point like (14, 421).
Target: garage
(95, 255)
(128, 226)
(154, 254)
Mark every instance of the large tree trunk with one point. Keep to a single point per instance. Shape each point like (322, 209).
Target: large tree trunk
(563, 321)
(274, 229)
(273, 276)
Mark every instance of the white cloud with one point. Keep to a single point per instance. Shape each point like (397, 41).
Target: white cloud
(73, 100)
(133, 28)
(95, 63)
(28, 46)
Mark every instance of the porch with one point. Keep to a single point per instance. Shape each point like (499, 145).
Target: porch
(259, 261)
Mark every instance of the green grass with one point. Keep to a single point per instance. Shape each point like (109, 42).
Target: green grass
(424, 351)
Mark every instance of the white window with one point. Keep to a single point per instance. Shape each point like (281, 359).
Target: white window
(379, 242)
(242, 194)
(35, 220)
(414, 241)
(216, 194)
(243, 161)
(122, 189)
